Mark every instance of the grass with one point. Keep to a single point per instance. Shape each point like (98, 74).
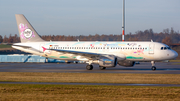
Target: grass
(5, 46)
(174, 60)
(91, 77)
(83, 93)
(26, 92)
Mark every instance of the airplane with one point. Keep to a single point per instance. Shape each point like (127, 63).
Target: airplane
(104, 53)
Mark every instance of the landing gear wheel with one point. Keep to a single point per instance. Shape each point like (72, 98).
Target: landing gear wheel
(153, 68)
(102, 68)
(89, 67)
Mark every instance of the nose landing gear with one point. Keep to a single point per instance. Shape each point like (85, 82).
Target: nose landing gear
(153, 66)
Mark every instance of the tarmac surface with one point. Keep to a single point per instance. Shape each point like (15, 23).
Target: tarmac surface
(143, 67)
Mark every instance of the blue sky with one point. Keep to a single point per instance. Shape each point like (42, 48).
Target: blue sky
(84, 17)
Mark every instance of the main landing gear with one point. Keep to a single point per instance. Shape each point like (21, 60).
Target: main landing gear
(153, 66)
(90, 67)
(102, 68)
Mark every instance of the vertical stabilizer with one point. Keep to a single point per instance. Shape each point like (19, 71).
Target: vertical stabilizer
(26, 31)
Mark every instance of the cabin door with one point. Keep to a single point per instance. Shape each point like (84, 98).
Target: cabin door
(151, 48)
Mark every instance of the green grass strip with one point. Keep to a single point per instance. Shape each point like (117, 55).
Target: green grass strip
(91, 77)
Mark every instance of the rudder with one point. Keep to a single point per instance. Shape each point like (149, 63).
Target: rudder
(26, 31)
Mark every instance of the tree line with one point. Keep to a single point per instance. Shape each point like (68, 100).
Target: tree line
(167, 36)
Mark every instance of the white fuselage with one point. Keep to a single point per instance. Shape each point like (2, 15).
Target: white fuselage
(133, 51)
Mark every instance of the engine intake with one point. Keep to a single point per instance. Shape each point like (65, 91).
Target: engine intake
(108, 61)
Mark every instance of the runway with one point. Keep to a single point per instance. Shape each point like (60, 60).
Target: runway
(143, 67)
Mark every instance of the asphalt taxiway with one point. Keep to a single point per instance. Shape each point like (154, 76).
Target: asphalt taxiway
(143, 67)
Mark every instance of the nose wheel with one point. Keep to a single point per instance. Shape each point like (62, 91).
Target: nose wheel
(153, 66)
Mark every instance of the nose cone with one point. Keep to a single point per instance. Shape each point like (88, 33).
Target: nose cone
(174, 55)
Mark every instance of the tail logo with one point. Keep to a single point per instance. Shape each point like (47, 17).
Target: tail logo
(26, 33)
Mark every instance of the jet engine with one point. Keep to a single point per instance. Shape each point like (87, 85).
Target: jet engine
(108, 61)
(126, 63)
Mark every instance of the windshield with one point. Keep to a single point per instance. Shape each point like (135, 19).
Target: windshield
(165, 48)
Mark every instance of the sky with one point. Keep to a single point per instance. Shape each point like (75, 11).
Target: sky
(85, 17)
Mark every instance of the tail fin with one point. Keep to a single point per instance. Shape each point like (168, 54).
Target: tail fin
(26, 32)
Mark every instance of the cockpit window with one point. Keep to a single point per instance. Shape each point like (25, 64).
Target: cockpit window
(165, 48)
(168, 48)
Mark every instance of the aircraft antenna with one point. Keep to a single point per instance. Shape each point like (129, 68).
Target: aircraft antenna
(123, 23)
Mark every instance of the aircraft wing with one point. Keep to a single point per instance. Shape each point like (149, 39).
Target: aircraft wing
(86, 54)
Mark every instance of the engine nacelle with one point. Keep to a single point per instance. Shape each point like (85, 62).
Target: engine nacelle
(126, 63)
(108, 61)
